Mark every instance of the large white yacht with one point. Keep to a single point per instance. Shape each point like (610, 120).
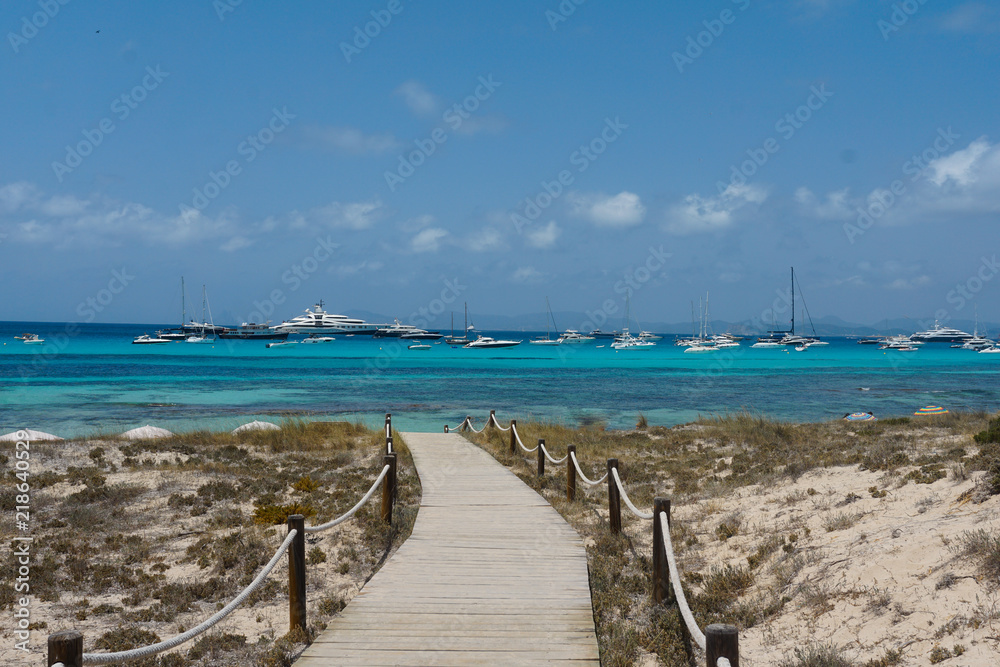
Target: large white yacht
(940, 334)
(317, 320)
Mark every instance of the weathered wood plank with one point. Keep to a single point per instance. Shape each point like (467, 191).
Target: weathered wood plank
(491, 575)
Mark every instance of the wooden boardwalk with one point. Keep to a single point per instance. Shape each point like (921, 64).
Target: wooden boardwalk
(491, 575)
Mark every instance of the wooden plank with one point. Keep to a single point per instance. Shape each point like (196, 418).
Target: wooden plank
(491, 575)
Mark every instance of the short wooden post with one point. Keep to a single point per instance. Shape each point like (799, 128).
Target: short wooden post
(570, 474)
(388, 446)
(467, 424)
(297, 574)
(493, 418)
(661, 570)
(66, 646)
(388, 425)
(541, 457)
(389, 488)
(445, 428)
(513, 437)
(614, 500)
(722, 641)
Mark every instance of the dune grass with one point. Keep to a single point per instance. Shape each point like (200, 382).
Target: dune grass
(215, 502)
(709, 458)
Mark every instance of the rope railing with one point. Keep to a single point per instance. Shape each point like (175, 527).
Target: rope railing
(517, 435)
(65, 649)
(583, 478)
(121, 656)
(720, 642)
(351, 512)
(624, 496)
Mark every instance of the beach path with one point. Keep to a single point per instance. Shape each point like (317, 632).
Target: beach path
(492, 575)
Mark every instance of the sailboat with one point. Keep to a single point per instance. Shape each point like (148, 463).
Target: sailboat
(208, 330)
(548, 340)
(627, 341)
(455, 340)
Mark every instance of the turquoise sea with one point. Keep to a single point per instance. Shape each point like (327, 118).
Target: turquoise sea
(89, 378)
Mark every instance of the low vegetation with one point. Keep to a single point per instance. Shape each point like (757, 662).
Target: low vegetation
(144, 539)
(741, 454)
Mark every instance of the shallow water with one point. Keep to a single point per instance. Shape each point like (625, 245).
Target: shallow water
(89, 379)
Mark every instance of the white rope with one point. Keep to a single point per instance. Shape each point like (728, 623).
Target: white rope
(121, 656)
(350, 512)
(497, 424)
(621, 490)
(473, 428)
(584, 477)
(675, 581)
(518, 437)
(723, 662)
(549, 456)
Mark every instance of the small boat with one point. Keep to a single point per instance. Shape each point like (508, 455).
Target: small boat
(30, 339)
(418, 346)
(146, 339)
(199, 338)
(574, 336)
(597, 333)
(313, 338)
(485, 342)
(254, 331)
(701, 348)
(646, 335)
(990, 350)
(548, 339)
(629, 342)
(282, 343)
(455, 340)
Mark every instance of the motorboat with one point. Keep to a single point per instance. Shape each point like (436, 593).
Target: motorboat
(253, 331)
(871, 340)
(646, 335)
(30, 339)
(408, 331)
(627, 341)
(485, 342)
(701, 347)
(418, 346)
(171, 334)
(316, 338)
(317, 320)
(573, 336)
(546, 341)
(990, 350)
(199, 338)
(597, 333)
(146, 339)
(940, 334)
(282, 343)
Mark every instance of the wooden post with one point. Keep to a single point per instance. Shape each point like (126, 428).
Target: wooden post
(661, 570)
(541, 457)
(297, 574)
(614, 500)
(570, 474)
(493, 418)
(388, 425)
(445, 428)
(389, 488)
(513, 438)
(66, 647)
(466, 424)
(388, 446)
(722, 641)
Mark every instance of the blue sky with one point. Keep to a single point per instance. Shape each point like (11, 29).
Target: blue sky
(498, 153)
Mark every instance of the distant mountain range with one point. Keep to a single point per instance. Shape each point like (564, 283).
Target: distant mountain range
(829, 325)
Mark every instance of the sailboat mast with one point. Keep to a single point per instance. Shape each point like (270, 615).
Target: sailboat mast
(183, 304)
(793, 300)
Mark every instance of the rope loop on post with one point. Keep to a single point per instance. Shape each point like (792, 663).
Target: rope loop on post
(549, 456)
(583, 477)
(621, 490)
(675, 581)
(518, 437)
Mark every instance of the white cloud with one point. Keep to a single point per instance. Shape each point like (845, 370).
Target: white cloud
(621, 210)
(909, 283)
(62, 206)
(526, 274)
(697, 214)
(544, 237)
(15, 195)
(352, 215)
(417, 223)
(488, 123)
(836, 206)
(963, 165)
(428, 240)
(420, 100)
(486, 239)
(350, 140)
(345, 270)
(972, 17)
(236, 243)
